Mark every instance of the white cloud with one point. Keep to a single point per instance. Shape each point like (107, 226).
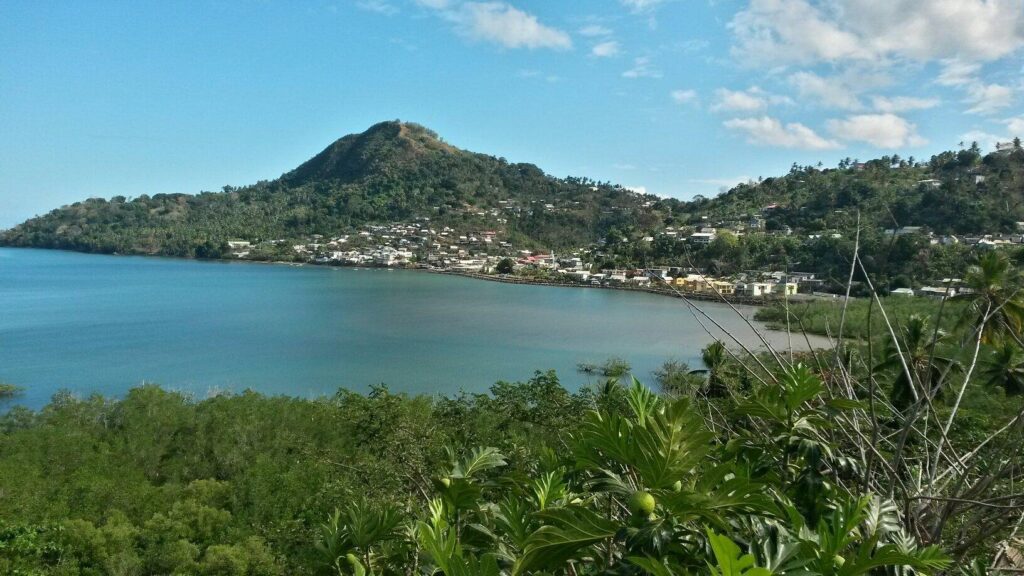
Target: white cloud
(510, 27)
(879, 130)
(538, 74)
(988, 98)
(956, 72)
(790, 31)
(684, 96)
(1015, 126)
(798, 31)
(641, 5)
(767, 131)
(605, 49)
(752, 99)
(594, 30)
(985, 140)
(903, 103)
(833, 92)
(689, 46)
(500, 23)
(378, 6)
(733, 100)
(642, 68)
(637, 189)
(842, 90)
(981, 97)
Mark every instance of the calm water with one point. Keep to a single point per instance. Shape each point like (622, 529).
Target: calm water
(106, 323)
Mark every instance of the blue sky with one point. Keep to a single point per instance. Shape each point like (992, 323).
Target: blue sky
(677, 97)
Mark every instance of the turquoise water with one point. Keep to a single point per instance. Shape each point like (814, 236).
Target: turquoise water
(103, 324)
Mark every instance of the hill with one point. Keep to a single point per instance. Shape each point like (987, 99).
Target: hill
(392, 172)
(944, 211)
(405, 173)
(961, 192)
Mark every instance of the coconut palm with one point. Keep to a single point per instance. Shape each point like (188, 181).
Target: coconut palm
(1003, 366)
(929, 371)
(995, 299)
(714, 356)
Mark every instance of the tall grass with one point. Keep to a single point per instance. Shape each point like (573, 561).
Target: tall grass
(823, 316)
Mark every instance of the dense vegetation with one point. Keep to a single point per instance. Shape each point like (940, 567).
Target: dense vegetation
(9, 390)
(392, 172)
(895, 454)
(862, 317)
(399, 172)
(962, 192)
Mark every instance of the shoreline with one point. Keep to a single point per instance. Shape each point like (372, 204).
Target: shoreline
(505, 279)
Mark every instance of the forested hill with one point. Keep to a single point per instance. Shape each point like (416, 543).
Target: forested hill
(399, 172)
(963, 192)
(392, 172)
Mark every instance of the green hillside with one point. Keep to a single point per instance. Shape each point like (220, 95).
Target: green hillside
(401, 172)
(392, 172)
(806, 220)
(952, 193)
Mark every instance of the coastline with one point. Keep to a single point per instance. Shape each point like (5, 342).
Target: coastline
(507, 279)
(511, 279)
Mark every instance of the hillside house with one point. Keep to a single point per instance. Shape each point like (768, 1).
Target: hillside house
(702, 237)
(1005, 147)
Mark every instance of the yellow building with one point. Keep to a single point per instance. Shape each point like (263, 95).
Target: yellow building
(704, 284)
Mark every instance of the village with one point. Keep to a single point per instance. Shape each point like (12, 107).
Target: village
(420, 244)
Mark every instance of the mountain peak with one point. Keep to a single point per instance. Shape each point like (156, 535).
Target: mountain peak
(356, 156)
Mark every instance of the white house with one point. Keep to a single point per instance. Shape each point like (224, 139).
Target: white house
(938, 292)
(754, 289)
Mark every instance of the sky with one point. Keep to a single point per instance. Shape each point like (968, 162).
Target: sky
(676, 98)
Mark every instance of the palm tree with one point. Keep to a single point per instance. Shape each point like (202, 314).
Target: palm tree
(928, 372)
(1003, 366)
(995, 302)
(714, 357)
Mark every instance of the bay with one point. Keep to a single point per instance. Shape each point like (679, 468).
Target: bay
(103, 324)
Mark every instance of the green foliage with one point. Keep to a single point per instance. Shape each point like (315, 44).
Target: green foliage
(400, 171)
(823, 316)
(529, 480)
(198, 487)
(649, 487)
(9, 390)
(392, 172)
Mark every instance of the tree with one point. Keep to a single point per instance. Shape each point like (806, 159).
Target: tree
(676, 379)
(995, 302)
(714, 357)
(928, 369)
(1003, 366)
(506, 266)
